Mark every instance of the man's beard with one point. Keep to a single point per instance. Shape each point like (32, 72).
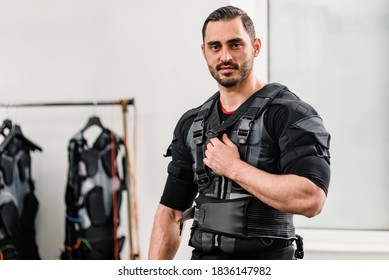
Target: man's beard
(225, 80)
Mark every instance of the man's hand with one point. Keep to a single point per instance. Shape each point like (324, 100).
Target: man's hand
(221, 156)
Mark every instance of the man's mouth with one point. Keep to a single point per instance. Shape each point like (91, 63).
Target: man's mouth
(227, 67)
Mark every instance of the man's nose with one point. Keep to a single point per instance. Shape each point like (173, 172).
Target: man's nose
(225, 55)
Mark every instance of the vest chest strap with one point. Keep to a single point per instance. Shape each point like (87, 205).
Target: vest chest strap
(226, 217)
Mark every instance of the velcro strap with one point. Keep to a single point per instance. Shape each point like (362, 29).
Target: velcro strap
(226, 217)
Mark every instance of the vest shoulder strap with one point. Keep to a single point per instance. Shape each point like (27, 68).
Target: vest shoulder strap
(198, 123)
(249, 110)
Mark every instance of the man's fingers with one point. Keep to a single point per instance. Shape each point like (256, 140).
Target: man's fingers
(227, 141)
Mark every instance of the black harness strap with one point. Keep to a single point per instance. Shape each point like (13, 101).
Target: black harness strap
(256, 109)
(203, 179)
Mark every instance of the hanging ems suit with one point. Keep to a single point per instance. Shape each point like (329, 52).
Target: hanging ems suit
(225, 214)
(18, 204)
(96, 179)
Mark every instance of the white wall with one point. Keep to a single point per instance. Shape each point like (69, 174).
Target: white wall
(334, 54)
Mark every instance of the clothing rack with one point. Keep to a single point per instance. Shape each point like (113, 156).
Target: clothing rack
(123, 102)
(131, 198)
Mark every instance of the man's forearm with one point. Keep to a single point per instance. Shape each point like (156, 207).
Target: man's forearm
(287, 193)
(165, 237)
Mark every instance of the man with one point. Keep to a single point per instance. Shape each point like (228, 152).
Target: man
(254, 154)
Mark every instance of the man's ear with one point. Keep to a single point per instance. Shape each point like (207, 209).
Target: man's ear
(257, 46)
(203, 49)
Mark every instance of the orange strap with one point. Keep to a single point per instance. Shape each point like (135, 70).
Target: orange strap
(132, 189)
(74, 247)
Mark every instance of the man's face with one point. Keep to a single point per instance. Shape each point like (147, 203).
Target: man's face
(229, 51)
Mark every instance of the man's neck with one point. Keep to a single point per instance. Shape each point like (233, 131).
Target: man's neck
(232, 98)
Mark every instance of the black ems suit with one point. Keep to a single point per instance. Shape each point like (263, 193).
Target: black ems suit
(18, 203)
(93, 197)
(276, 132)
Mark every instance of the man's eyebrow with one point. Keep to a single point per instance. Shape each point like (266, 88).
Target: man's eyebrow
(210, 43)
(234, 40)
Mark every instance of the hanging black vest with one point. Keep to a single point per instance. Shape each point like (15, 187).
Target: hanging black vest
(18, 204)
(93, 196)
(224, 211)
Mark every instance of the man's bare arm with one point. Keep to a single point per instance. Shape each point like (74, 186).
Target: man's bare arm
(165, 237)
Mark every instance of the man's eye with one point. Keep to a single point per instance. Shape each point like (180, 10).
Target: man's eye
(236, 45)
(215, 47)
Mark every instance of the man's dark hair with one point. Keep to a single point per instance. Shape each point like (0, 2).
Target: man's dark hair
(229, 13)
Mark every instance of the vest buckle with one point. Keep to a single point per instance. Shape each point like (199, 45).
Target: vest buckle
(244, 128)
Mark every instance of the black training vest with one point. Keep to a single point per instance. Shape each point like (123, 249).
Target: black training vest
(18, 204)
(223, 207)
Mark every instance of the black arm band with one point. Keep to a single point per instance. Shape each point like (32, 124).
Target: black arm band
(315, 169)
(178, 194)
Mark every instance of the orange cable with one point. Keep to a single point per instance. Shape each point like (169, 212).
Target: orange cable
(74, 247)
(134, 177)
(129, 199)
(132, 171)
